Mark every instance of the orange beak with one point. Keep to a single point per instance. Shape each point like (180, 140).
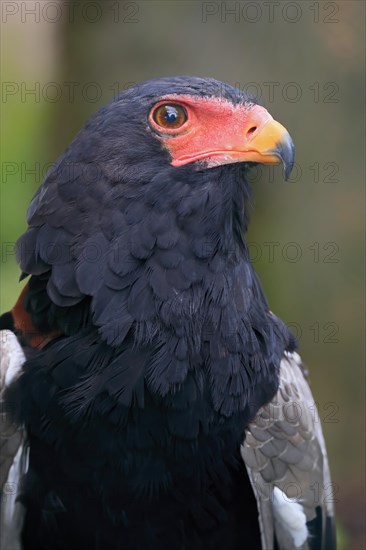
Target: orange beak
(270, 144)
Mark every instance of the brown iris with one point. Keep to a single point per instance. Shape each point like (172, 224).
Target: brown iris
(170, 116)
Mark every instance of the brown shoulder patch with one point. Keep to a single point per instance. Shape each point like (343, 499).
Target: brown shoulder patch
(23, 323)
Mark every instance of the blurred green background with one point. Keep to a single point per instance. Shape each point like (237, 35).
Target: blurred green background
(62, 60)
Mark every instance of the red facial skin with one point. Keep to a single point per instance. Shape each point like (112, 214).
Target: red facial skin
(219, 132)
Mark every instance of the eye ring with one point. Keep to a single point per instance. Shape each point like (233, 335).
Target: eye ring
(169, 116)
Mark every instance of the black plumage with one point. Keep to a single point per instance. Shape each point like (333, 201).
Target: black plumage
(135, 413)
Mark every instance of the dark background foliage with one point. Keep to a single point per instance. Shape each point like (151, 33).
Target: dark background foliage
(62, 60)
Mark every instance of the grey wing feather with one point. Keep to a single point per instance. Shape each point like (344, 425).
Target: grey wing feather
(285, 456)
(13, 448)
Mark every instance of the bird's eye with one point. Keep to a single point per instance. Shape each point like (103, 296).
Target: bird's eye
(170, 116)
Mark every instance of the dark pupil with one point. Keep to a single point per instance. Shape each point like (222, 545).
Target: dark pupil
(171, 114)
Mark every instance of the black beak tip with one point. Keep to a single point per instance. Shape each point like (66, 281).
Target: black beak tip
(286, 152)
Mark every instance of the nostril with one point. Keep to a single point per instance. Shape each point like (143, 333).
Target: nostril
(251, 131)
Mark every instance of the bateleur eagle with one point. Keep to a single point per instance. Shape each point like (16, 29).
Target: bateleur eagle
(152, 399)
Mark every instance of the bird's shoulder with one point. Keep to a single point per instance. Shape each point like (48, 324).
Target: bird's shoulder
(286, 459)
